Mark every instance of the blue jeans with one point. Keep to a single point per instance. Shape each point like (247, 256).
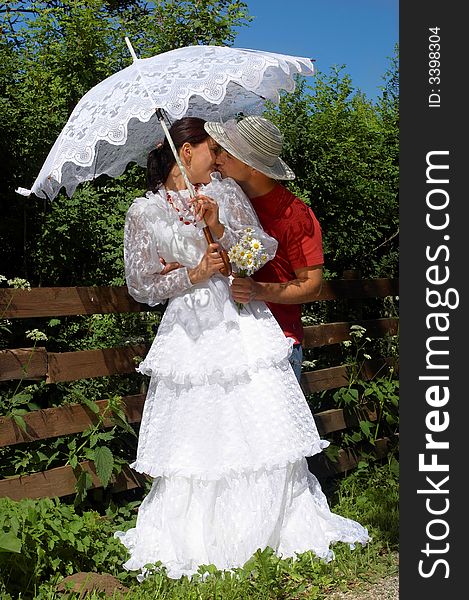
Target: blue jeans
(296, 359)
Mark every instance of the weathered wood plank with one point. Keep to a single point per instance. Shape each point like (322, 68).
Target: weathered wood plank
(382, 446)
(70, 366)
(63, 420)
(347, 460)
(23, 363)
(335, 419)
(321, 466)
(333, 333)
(335, 377)
(324, 379)
(61, 481)
(60, 301)
(358, 288)
(74, 418)
(331, 420)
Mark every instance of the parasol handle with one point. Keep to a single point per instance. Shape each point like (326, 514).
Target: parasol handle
(226, 270)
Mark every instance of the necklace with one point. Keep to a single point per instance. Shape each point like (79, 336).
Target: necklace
(185, 217)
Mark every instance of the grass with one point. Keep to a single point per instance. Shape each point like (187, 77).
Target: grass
(370, 496)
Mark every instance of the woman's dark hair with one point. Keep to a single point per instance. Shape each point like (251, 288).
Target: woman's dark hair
(161, 160)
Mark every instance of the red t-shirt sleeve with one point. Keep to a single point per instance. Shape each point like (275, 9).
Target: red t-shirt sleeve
(303, 237)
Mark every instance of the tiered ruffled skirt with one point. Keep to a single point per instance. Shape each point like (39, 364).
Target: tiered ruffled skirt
(225, 432)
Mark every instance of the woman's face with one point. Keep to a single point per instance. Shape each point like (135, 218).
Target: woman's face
(200, 160)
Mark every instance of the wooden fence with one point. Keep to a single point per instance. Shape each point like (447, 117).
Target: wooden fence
(52, 367)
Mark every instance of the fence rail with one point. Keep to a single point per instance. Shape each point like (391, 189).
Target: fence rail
(59, 301)
(36, 363)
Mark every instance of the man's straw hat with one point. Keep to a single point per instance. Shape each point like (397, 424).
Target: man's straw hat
(255, 141)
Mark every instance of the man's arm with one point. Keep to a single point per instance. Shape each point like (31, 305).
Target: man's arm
(305, 288)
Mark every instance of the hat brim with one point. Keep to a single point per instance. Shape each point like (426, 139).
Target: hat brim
(228, 141)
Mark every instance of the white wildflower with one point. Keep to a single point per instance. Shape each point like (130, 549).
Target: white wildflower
(248, 255)
(36, 335)
(255, 245)
(19, 283)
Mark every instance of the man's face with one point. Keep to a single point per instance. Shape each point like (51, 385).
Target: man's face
(229, 166)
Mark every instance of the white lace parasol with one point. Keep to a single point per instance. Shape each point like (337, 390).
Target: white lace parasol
(115, 122)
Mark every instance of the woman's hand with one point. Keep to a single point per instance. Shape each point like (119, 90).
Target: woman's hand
(206, 208)
(210, 264)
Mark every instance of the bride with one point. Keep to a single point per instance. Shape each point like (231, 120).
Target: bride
(225, 428)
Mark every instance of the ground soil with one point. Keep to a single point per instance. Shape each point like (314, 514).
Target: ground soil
(88, 582)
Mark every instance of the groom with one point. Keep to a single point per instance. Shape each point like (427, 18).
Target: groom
(250, 154)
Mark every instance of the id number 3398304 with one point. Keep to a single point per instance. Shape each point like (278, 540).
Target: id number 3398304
(434, 64)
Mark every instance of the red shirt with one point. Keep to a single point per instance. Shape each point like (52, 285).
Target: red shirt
(294, 225)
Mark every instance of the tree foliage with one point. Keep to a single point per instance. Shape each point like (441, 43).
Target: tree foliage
(51, 54)
(344, 151)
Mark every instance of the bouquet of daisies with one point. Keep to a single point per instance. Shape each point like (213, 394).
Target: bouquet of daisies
(247, 256)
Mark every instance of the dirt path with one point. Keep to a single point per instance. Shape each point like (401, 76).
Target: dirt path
(386, 589)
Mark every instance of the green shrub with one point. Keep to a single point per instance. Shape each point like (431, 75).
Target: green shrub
(46, 539)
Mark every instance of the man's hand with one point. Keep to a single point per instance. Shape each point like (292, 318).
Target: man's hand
(244, 289)
(305, 288)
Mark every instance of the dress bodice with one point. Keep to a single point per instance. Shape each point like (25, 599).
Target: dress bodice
(154, 235)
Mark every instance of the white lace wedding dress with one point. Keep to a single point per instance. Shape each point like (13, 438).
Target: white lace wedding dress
(225, 428)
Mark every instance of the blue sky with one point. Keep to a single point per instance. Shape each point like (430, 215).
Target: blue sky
(358, 33)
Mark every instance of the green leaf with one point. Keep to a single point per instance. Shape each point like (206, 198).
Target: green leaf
(40, 456)
(365, 426)
(123, 424)
(93, 439)
(10, 543)
(21, 398)
(332, 452)
(18, 419)
(90, 404)
(104, 463)
(89, 453)
(84, 482)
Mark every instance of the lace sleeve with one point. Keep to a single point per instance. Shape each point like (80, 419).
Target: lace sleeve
(143, 266)
(237, 213)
